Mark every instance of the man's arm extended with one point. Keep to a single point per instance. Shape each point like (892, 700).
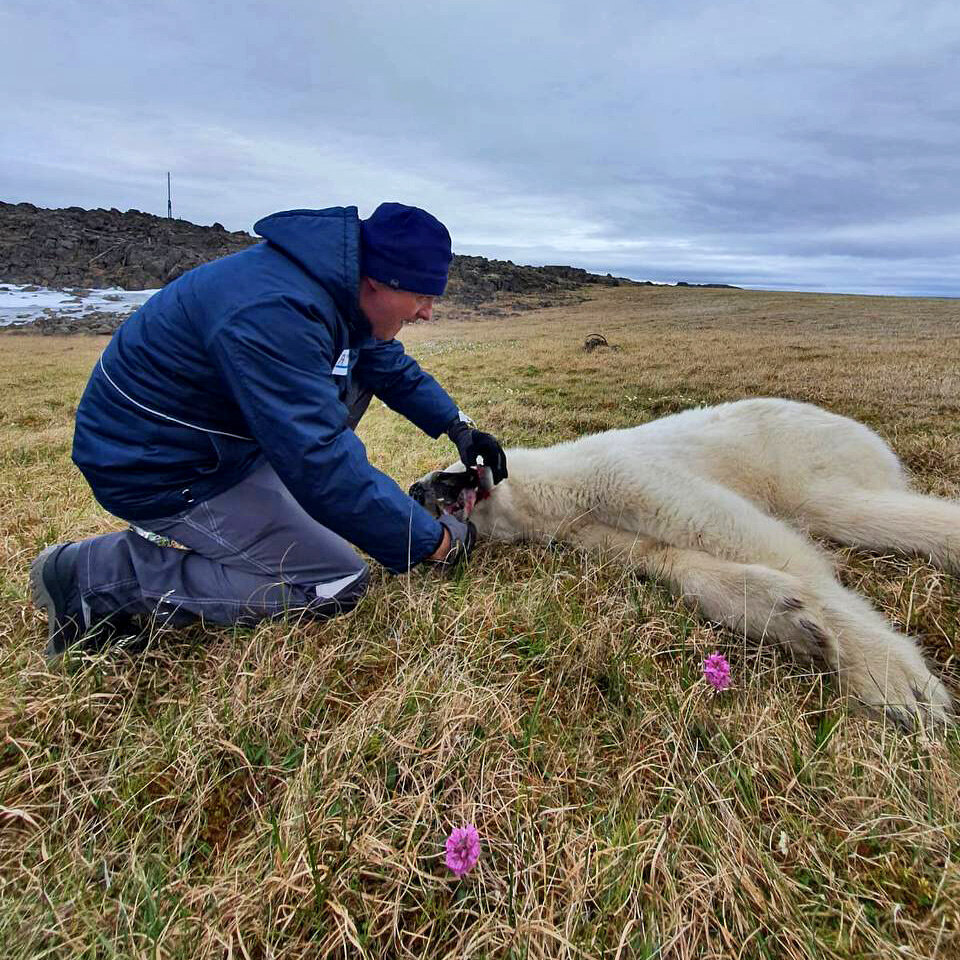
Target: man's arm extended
(277, 362)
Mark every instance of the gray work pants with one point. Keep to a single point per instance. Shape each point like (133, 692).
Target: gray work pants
(253, 553)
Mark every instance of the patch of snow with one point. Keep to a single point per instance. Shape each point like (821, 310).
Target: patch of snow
(25, 302)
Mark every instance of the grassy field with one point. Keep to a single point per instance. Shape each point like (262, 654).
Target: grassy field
(286, 791)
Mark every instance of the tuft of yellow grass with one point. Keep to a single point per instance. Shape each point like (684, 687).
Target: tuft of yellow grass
(286, 791)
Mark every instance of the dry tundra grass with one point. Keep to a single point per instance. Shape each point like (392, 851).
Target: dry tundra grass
(286, 791)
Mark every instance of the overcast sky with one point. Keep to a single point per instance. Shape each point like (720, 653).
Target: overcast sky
(809, 146)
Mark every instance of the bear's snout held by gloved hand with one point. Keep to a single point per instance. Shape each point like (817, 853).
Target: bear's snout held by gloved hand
(447, 491)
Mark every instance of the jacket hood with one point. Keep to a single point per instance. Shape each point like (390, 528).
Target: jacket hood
(326, 244)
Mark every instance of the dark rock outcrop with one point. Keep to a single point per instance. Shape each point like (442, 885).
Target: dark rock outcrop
(477, 279)
(53, 322)
(73, 247)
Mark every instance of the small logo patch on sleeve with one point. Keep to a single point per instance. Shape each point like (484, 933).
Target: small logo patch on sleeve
(342, 367)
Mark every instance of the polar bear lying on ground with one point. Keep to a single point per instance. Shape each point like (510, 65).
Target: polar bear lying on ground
(717, 503)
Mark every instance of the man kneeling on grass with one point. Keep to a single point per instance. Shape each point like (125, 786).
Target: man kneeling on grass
(222, 415)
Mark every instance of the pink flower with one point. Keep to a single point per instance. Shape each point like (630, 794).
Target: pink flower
(463, 849)
(716, 671)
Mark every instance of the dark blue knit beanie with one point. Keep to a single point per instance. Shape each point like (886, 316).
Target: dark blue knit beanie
(406, 248)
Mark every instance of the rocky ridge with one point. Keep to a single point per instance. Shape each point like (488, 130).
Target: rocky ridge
(73, 247)
(77, 249)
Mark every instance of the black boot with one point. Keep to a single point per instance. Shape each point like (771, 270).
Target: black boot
(54, 587)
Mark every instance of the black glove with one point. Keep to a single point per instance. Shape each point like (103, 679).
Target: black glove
(474, 443)
(462, 538)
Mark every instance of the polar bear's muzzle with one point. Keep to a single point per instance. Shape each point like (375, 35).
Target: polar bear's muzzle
(452, 491)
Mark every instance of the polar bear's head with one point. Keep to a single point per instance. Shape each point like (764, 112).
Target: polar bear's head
(467, 494)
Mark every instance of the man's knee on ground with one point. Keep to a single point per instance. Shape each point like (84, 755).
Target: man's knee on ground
(341, 595)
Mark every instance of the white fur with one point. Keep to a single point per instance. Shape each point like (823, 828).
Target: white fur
(718, 503)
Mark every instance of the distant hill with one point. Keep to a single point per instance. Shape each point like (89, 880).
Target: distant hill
(73, 247)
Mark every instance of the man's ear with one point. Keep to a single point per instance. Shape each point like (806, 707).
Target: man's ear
(365, 291)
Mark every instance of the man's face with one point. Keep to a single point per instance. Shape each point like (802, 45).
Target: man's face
(388, 309)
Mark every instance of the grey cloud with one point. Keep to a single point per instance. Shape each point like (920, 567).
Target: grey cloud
(809, 144)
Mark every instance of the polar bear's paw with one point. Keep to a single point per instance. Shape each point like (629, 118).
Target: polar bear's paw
(778, 607)
(896, 681)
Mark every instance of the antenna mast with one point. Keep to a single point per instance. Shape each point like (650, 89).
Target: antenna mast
(169, 204)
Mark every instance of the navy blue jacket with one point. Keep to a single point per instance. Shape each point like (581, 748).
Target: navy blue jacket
(251, 356)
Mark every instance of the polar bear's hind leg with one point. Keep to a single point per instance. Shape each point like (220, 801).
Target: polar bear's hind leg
(906, 523)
